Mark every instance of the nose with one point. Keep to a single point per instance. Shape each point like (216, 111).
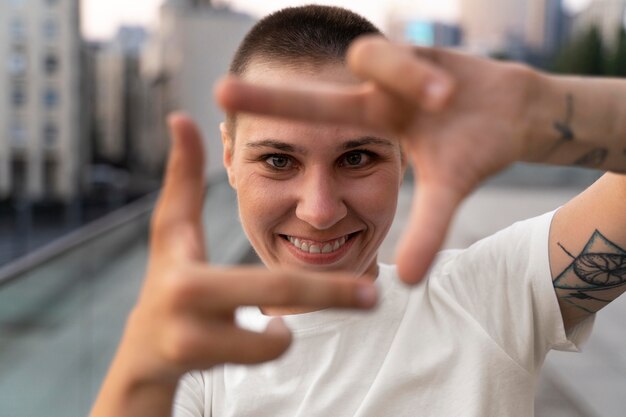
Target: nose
(320, 201)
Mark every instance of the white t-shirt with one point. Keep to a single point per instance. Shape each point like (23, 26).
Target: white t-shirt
(468, 341)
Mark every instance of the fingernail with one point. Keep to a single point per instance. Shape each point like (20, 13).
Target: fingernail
(367, 295)
(277, 327)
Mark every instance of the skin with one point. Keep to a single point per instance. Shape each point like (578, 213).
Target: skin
(317, 183)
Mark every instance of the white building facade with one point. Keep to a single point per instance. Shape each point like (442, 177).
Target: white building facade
(193, 49)
(40, 119)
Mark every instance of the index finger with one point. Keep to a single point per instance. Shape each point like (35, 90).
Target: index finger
(211, 289)
(336, 104)
(364, 105)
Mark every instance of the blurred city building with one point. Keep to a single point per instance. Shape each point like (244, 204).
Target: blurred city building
(119, 158)
(607, 15)
(424, 32)
(117, 94)
(512, 27)
(182, 62)
(41, 151)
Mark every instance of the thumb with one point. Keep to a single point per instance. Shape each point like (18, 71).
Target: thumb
(180, 204)
(431, 213)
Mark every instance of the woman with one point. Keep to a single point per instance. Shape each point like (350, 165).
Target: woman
(315, 199)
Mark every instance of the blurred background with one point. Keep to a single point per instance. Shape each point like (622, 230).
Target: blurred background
(85, 87)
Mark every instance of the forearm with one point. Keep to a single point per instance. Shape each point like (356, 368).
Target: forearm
(578, 121)
(120, 397)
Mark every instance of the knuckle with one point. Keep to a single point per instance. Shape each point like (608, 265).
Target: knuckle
(178, 289)
(178, 347)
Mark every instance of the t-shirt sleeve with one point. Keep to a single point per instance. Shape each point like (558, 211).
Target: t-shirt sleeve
(191, 399)
(504, 282)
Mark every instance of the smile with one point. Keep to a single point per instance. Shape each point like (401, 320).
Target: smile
(315, 247)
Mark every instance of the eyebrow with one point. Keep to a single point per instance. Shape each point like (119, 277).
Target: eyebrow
(366, 140)
(276, 144)
(288, 147)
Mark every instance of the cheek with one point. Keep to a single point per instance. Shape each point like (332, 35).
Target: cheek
(261, 202)
(376, 197)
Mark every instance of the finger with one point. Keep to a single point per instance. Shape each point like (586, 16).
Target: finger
(223, 342)
(210, 289)
(182, 196)
(431, 213)
(318, 103)
(398, 69)
(364, 105)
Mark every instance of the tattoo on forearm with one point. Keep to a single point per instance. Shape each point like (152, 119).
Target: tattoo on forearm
(595, 277)
(564, 128)
(567, 134)
(593, 159)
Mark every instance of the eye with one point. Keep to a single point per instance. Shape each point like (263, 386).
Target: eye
(279, 161)
(356, 159)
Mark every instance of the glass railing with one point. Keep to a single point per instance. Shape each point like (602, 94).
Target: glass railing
(63, 308)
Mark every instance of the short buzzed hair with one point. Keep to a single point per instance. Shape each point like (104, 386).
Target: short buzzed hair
(313, 35)
(299, 37)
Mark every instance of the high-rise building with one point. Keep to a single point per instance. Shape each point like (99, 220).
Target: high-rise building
(191, 51)
(505, 25)
(118, 95)
(40, 122)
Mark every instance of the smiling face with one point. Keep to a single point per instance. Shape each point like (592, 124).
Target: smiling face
(312, 196)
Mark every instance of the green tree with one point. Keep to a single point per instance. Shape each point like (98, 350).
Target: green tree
(584, 55)
(617, 60)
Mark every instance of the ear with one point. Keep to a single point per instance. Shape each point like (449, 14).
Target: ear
(229, 148)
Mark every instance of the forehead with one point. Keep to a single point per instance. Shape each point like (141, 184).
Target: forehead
(251, 128)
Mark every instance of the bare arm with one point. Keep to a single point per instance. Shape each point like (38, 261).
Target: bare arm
(588, 249)
(582, 122)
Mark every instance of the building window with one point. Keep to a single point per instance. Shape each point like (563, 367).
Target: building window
(50, 29)
(51, 64)
(50, 98)
(18, 135)
(17, 64)
(50, 134)
(18, 96)
(18, 30)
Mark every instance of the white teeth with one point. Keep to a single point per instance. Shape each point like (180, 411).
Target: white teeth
(315, 249)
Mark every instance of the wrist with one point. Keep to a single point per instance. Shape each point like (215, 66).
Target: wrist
(139, 354)
(545, 109)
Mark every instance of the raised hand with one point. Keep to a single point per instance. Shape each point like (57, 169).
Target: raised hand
(460, 118)
(185, 316)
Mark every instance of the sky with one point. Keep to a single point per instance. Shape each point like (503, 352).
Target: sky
(102, 17)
